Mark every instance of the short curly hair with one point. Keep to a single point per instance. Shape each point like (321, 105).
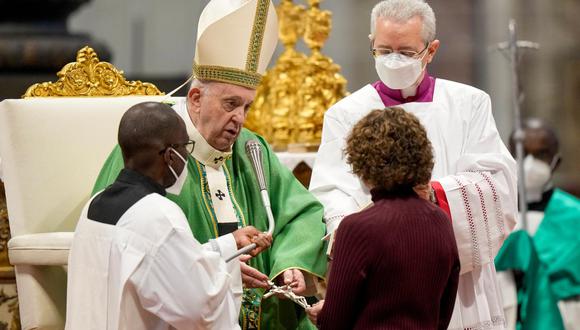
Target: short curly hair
(389, 149)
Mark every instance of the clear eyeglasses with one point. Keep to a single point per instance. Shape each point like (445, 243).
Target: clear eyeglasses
(380, 51)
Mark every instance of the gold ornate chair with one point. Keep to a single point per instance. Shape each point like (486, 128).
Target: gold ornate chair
(52, 145)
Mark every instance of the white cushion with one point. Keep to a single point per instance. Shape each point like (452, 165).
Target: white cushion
(40, 249)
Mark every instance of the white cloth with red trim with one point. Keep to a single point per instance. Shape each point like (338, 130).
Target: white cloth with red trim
(474, 169)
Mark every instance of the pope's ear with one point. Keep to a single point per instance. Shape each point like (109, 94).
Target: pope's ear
(194, 99)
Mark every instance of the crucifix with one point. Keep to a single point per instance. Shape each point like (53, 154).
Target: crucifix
(511, 49)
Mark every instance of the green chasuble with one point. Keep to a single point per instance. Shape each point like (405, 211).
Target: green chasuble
(550, 262)
(539, 307)
(297, 236)
(558, 243)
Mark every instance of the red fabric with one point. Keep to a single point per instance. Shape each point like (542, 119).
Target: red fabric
(441, 197)
(395, 267)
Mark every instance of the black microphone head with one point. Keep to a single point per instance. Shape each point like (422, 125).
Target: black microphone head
(254, 152)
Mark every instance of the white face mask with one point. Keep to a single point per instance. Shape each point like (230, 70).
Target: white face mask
(398, 71)
(176, 187)
(537, 176)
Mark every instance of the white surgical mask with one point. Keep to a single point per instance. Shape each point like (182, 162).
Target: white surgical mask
(537, 176)
(176, 187)
(398, 71)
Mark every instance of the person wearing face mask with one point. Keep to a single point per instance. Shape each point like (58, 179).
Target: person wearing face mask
(542, 150)
(134, 263)
(221, 192)
(542, 158)
(474, 177)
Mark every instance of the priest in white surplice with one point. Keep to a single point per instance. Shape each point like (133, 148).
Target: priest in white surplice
(474, 178)
(134, 263)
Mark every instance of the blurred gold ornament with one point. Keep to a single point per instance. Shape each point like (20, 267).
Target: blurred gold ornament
(276, 97)
(323, 85)
(90, 77)
(295, 93)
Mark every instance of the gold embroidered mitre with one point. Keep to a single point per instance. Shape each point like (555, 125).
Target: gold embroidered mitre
(235, 41)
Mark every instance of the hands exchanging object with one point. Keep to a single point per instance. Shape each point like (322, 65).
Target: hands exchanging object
(294, 278)
(251, 277)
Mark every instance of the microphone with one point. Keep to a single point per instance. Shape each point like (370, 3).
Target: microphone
(254, 153)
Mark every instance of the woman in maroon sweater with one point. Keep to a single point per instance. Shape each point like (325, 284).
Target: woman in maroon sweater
(395, 265)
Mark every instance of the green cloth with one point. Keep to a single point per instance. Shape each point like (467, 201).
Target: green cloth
(558, 244)
(298, 215)
(539, 309)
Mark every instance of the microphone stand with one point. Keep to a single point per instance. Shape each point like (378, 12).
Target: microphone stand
(254, 152)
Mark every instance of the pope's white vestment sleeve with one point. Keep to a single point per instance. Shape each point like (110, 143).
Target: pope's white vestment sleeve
(482, 194)
(333, 183)
(186, 284)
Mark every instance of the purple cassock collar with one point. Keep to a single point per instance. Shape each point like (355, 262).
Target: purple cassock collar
(392, 97)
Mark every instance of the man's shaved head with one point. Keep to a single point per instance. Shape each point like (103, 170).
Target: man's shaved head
(145, 129)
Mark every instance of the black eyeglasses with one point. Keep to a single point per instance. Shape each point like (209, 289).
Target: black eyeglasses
(189, 146)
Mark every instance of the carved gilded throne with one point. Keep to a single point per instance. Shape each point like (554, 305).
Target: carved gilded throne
(52, 145)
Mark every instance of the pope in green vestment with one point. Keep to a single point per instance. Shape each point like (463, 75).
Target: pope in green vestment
(220, 193)
(298, 216)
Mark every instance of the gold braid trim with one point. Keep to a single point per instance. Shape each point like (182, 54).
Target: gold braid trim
(255, 46)
(227, 75)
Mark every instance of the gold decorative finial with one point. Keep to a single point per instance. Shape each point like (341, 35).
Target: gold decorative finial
(291, 101)
(90, 77)
(318, 25)
(290, 25)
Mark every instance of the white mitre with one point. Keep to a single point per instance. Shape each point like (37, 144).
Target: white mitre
(235, 41)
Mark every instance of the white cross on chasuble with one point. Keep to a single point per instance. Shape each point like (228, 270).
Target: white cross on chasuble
(221, 198)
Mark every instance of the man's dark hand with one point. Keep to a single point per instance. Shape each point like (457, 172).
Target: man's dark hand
(251, 277)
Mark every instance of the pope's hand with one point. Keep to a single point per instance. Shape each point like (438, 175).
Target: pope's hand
(263, 241)
(294, 278)
(314, 310)
(251, 277)
(248, 235)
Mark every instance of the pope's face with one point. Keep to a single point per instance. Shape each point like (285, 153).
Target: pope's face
(403, 36)
(219, 111)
